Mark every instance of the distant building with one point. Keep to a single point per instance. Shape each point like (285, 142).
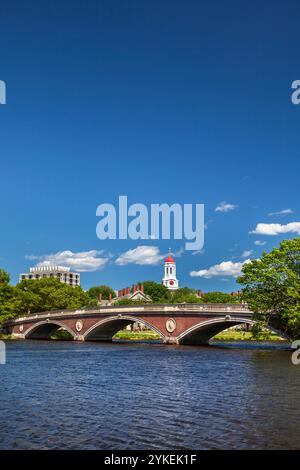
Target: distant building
(134, 293)
(62, 273)
(127, 293)
(169, 278)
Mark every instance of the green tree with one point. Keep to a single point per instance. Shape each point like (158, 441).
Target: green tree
(157, 292)
(126, 301)
(185, 295)
(272, 284)
(8, 304)
(48, 294)
(218, 298)
(95, 291)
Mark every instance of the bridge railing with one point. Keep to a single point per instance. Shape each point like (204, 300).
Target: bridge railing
(139, 308)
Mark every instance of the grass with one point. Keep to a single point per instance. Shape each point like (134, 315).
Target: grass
(3, 336)
(136, 335)
(62, 335)
(122, 335)
(240, 335)
(226, 335)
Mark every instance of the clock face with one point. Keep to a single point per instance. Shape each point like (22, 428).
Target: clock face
(171, 283)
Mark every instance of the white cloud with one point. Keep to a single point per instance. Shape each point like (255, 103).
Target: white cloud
(178, 253)
(277, 229)
(259, 243)
(246, 253)
(198, 252)
(141, 255)
(226, 268)
(83, 261)
(282, 212)
(235, 246)
(32, 257)
(225, 207)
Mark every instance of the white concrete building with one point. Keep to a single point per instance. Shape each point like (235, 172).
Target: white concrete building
(59, 272)
(169, 278)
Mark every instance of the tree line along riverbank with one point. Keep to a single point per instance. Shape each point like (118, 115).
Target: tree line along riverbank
(270, 285)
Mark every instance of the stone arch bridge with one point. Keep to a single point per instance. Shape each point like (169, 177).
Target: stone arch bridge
(174, 323)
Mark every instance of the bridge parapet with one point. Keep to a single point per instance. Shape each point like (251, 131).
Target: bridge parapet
(215, 309)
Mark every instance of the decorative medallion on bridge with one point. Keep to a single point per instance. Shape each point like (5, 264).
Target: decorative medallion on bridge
(171, 325)
(21, 328)
(79, 325)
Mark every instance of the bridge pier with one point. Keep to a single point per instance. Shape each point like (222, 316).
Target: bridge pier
(17, 335)
(171, 340)
(79, 338)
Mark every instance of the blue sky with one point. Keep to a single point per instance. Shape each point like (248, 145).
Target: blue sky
(186, 102)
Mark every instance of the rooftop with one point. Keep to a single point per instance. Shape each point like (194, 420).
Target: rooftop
(46, 268)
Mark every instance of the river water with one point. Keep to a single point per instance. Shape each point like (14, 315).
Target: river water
(68, 395)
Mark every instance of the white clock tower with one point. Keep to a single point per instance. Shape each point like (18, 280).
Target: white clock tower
(169, 279)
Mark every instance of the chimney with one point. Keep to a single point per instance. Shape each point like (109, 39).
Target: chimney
(200, 293)
(100, 297)
(142, 288)
(134, 288)
(110, 297)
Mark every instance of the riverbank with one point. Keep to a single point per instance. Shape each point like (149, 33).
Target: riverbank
(227, 335)
(146, 335)
(6, 337)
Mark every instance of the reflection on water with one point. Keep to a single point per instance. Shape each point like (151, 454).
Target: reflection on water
(70, 395)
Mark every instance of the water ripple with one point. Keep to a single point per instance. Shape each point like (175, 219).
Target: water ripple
(61, 395)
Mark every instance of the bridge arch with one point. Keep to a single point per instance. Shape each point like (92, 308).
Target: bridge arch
(44, 329)
(104, 330)
(202, 332)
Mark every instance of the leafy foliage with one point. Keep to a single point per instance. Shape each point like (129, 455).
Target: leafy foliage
(219, 298)
(126, 301)
(185, 295)
(95, 291)
(49, 294)
(37, 296)
(272, 284)
(157, 292)
(160, 294)
(8, 304)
